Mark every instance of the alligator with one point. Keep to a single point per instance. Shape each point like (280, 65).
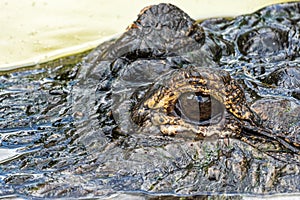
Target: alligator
(173, 106)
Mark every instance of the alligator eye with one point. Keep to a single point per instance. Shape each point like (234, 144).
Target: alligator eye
(199, 109)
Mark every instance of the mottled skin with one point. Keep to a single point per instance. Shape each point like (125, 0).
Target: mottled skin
(236, 119)
(158, 107)
(179, 107)
(172, 106)
(181, 85)
(195, 51)
(165, 54)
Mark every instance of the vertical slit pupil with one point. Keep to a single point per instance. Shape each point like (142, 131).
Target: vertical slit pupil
(194, 106)
(198, 108)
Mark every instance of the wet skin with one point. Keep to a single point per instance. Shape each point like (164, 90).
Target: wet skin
(171, 106)
(183, 85)
(226, 89)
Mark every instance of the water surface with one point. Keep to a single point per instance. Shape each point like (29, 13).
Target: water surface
(57, 140)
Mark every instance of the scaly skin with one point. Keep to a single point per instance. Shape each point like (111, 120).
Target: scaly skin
(157, 108)
(172, 106)
(162, 33)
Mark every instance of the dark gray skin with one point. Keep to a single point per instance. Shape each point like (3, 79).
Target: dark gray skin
(164, 40)
(258, 57)
(249, 65)
(172, 106)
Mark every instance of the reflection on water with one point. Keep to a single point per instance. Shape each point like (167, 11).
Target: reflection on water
(7, 154)
(61, 122)
(35, 122)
